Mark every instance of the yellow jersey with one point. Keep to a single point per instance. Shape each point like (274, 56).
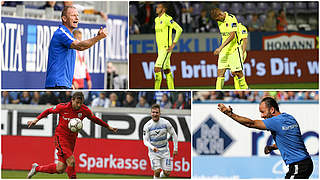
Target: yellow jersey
(163, 28)
(230, 24)
(243, 33)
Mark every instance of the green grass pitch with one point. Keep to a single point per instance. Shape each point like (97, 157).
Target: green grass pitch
(12, 174)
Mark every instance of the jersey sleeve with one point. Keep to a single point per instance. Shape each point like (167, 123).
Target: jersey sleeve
(244, 32)
(146, 137)
(95, 119)
(65, 38)
(176, 27)
(54, 110)
(174, 136)
(271, 124)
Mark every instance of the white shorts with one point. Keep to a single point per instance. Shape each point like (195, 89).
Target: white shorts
(161, 161)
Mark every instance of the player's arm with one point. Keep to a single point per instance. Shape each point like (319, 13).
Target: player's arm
(229, 39)
(146, 140)
(174, 138)
(86, 44)
(179, 30)
(268, 149)
(100, 122)
(258, 124)
(52, 110)
(244, 45)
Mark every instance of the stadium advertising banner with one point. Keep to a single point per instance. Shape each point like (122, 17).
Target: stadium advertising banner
(270, 41)
(97, 150)
(25, 46)
(217, 138)
(200, 69)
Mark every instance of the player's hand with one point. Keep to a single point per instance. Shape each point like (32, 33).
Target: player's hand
(170, 49)
(102, 33)
(32, 123)
(155, 149)
(175, 153)
(225, 110)
(217, 51)
(113, 129)
(267, 149)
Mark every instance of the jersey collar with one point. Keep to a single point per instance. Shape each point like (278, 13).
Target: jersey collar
(65, 28)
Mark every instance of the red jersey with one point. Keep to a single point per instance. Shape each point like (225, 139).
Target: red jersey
(66, 112)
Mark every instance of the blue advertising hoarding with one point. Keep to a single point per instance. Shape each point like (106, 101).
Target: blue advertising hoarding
(25, 44)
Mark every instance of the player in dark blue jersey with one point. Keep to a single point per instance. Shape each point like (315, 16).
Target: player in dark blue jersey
(286, 133)
(62, 55)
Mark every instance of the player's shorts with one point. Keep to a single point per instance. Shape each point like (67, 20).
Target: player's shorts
(163, 60)
(300, 170)
(161, 161)
(65, 147)
(231, 61)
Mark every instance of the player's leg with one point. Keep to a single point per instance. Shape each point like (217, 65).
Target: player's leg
(300, 170)
(155, 166)
(168, 73)
(236, 81)
(162, 55)
(237, 68)
(71, 167)
(222, 67)
(166, 165)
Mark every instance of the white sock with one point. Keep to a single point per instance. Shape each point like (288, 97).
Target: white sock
(162, 175)
(155, 177)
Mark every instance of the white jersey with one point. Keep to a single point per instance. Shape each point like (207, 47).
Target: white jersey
(155, 134)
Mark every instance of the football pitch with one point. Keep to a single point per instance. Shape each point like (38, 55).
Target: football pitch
(11, 174)
(263, 86)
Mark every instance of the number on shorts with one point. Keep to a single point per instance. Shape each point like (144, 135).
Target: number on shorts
(168, 162)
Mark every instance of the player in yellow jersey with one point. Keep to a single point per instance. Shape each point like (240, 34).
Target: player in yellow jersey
(243, 40)
(163, 27)
(229, 53)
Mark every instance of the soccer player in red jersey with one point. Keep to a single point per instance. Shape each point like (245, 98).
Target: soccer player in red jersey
(65, 140)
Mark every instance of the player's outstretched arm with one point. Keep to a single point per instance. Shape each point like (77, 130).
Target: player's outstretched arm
(229, 39)
(101, 122)
(32, 123)
(86, 44)
(44, 114)
(258, 124)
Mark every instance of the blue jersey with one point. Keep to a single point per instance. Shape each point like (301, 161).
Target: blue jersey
(61, 59)
(286, 133)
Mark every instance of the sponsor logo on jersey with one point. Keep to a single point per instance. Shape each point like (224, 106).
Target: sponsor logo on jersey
(171, 21)
(79, 115)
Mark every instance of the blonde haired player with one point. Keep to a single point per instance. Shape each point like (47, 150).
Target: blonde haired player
(243, 40)
(229, 53)
(155, 133)
(163, 27)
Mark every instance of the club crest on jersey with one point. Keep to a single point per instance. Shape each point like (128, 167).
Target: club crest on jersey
(160, 22)
(226, 24)
(171, 21)
(79, 115)
(234, 25)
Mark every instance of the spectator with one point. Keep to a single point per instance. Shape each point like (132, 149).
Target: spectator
(146, 16)
(186, 18)
(254, 24)
(133, 27)
(5, 98)
(48, 98)
(80, 69)
(11, 3)
(14, 97)
(113, 78)
(52, 4)
(25, 97)
(270, 24)
(142, 102)
(101, 101)
(180, 102)
(35, 98)
(130, 100)
(113, 100)
(282, 21)
(65, 96)
(203, 21)
(165, 103)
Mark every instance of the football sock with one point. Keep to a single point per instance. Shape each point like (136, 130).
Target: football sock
(157, 80)
(236, 82)
(162, 175)
(242, 83)
(220, 83)
(71, 172)
(155, 177)
(50, 168)
(170, 82)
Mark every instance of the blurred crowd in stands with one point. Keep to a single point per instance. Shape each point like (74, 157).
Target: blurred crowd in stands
(141, 99)
(255, 96)
(257, 16)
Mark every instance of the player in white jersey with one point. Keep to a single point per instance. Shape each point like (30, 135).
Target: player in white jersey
(155, 133)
